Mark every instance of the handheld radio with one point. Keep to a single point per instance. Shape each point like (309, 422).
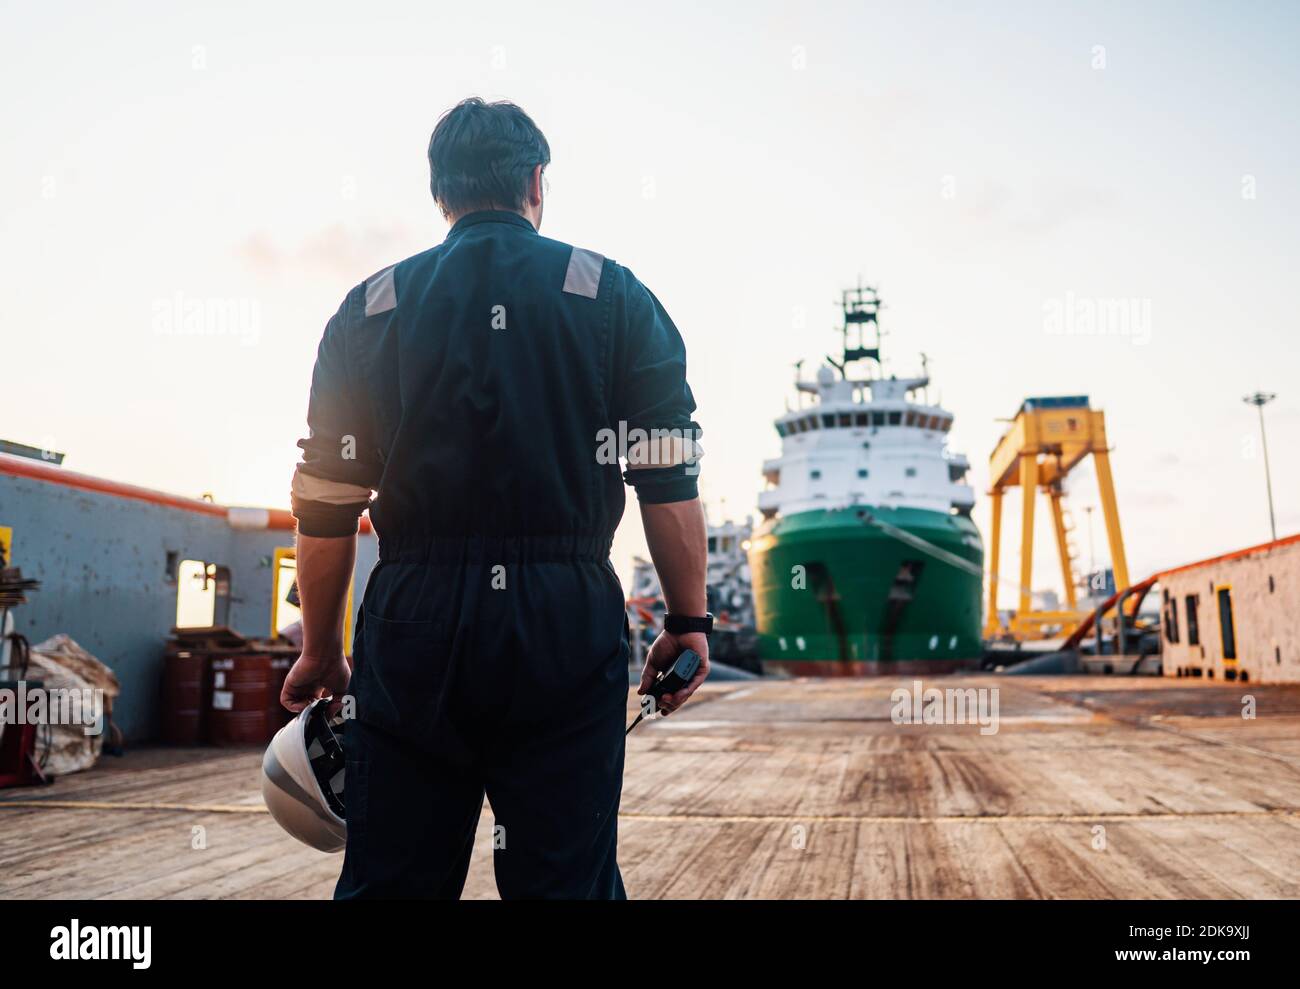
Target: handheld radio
(671, 680)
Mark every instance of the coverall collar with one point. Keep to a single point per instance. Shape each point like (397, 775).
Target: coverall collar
(490, 216)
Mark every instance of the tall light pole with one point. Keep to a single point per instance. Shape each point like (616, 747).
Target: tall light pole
(1259, 400)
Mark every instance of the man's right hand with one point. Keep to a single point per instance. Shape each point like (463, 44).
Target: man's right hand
(315, 676)
(663, 653)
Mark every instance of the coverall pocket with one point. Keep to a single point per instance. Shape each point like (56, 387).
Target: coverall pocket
(403, 673)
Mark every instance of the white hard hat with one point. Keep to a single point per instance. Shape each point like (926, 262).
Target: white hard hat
(302, 778)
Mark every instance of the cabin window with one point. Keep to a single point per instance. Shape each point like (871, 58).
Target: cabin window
(780, 429)
(861, 419)
(713, 544)
(934, 422)
(846, 419)
(1227, 632)
(910, 472)
(1193, 622)
(816, 475)
(877, 418)
(862, 472)
(202, 594)
(828, 421)
(895, 418)
(1171, 619)
(811, 422)
(911, 418)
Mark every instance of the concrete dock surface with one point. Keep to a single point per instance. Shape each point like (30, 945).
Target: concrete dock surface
(1082, 787)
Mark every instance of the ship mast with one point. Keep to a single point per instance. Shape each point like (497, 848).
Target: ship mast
(861, 307)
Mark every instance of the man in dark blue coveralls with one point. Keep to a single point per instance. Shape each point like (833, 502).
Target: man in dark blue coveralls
(485, 391)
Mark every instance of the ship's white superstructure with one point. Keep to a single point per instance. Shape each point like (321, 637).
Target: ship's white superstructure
(866, 441)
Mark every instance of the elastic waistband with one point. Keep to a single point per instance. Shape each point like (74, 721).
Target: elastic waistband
(494, 549)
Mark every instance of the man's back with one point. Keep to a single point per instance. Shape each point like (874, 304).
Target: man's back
(503, 374)
(483, 374)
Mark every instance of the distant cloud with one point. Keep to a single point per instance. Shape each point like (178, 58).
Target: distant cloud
(1036, 212)
(342, 251)
(1148, 498)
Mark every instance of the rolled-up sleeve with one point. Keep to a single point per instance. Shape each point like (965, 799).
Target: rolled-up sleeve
(653, 401)
(340, 465)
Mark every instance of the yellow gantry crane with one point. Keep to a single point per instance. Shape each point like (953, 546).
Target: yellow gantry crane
(1047, 439)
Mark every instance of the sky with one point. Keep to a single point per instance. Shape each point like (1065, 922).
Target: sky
(988, 167)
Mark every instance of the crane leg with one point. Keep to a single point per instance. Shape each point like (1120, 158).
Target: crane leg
(1029, 485)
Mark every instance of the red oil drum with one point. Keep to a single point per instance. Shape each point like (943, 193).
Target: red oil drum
(185, 697)
(242, 685)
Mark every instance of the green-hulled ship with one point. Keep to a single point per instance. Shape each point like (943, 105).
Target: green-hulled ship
(867, 560)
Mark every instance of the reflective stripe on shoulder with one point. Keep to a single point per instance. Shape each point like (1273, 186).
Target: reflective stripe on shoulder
(381, 292)
(583, 276)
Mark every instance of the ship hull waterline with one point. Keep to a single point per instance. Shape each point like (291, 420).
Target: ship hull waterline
(838, 596)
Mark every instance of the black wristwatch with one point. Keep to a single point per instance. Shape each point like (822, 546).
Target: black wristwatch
(681, 624)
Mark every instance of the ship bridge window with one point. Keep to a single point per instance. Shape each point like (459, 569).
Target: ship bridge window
(911, 418)
(713, 544)
(895, 418)
(861, 419)
(810, 423)
(877, 418)
(780, 429)
(846, 419)
(828, 421)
